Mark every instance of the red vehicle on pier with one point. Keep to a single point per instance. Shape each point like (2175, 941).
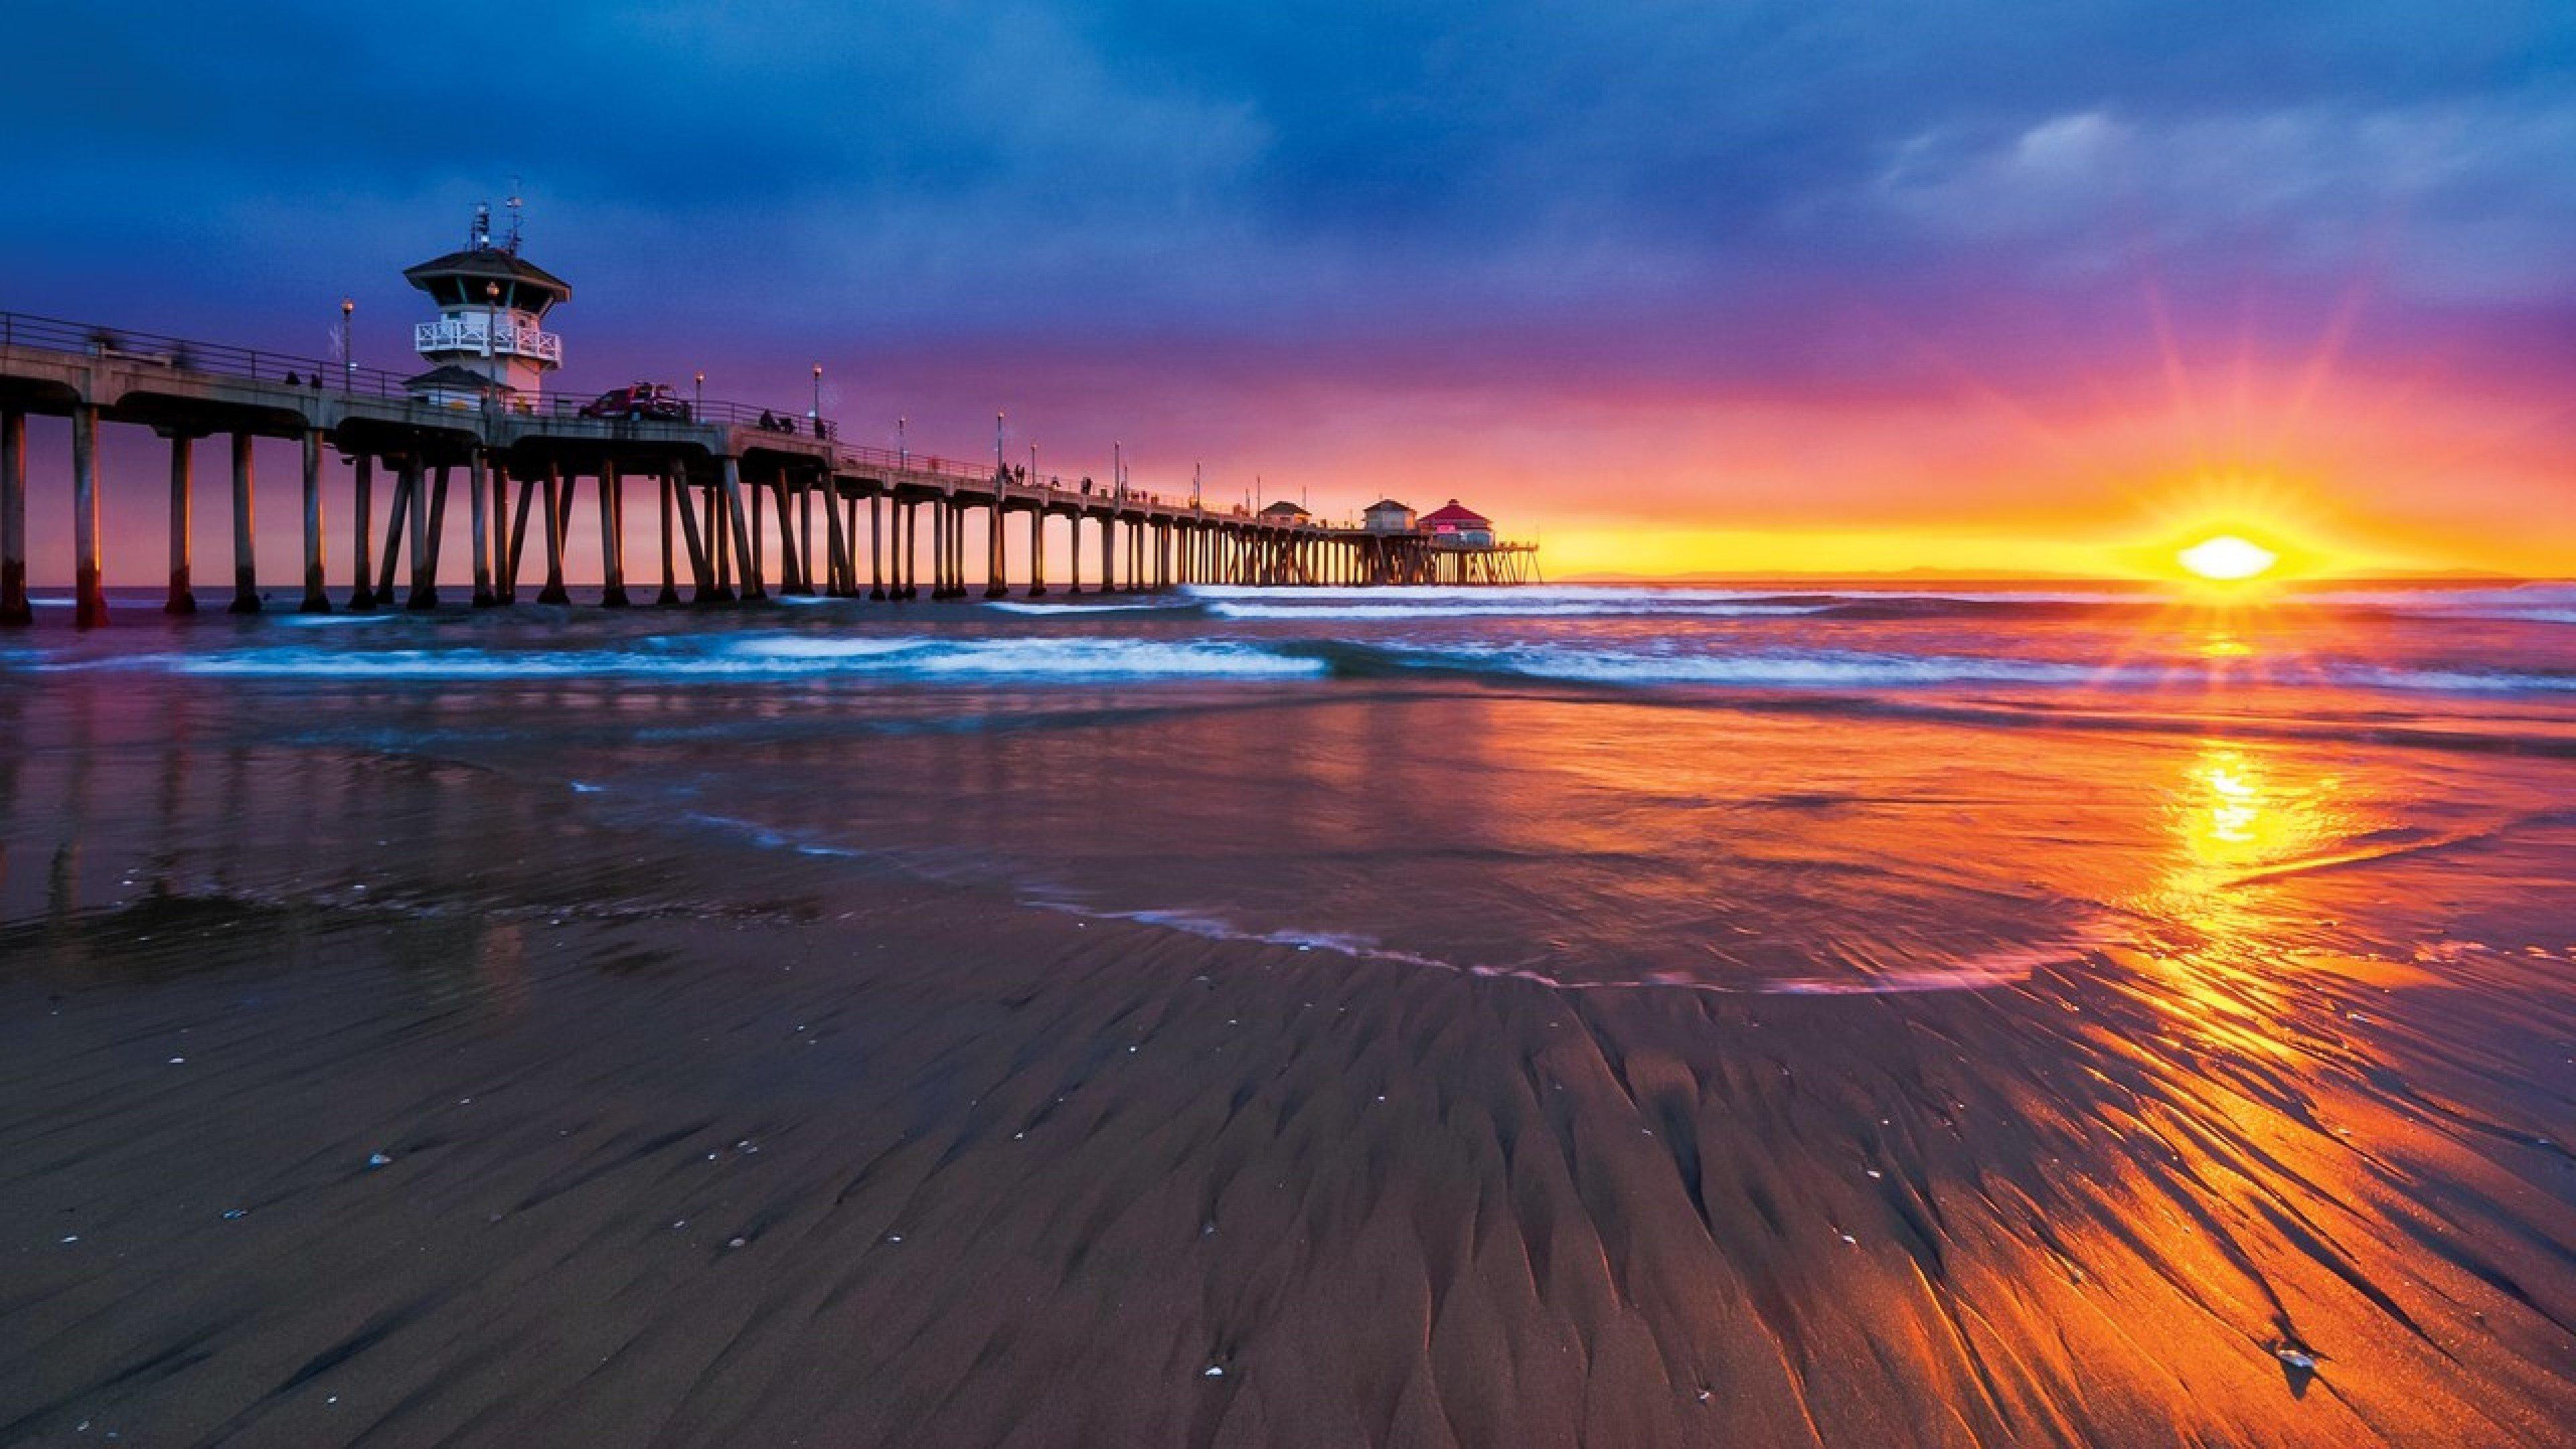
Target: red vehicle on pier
(643, 400)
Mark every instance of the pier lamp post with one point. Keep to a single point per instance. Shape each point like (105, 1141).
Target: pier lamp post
(699, 398)
(817, 414)
(348, 351)
(902, 450)
(1033, 465)
(491, 314)
(999, 465)
(1117, 469)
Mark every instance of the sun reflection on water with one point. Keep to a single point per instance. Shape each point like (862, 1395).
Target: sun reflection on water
(2235, 812)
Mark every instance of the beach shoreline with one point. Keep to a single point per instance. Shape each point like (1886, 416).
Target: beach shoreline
(763, 1112)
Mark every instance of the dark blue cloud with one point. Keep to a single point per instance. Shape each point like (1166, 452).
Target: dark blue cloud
(1646, 187)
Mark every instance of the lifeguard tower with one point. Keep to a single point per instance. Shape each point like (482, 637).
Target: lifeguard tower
(488, 341)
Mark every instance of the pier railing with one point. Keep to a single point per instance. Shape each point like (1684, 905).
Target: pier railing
(180, 354)
(293, 369)
(324, 375)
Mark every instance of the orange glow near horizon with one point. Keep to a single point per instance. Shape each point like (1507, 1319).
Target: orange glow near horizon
(2104, 473)
(1782, 489)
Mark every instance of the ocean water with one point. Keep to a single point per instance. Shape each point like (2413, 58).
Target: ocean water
(1795, 1015)
(1736, 790)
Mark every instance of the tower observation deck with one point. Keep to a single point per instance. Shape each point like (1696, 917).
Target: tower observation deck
(488, 341)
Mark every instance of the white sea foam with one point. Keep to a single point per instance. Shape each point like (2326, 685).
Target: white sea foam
(1785, 669)
(750, 657)
(1073, 609)
(1858, 670)
(1503, 606)
(1126, 658)
(2002, 968)
(810, 646)
(1617, 598)
(1075, 659)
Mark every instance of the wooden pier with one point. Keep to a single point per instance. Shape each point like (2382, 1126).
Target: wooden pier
(721, 479)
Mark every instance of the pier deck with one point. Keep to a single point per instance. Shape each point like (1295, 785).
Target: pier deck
(722, 475)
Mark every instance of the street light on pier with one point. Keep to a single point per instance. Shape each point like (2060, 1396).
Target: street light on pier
(348, 352)
(817, 413)
(1000, 465)
(902, 449)
(698, 405)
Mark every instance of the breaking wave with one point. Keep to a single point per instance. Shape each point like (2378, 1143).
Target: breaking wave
(1079, 658)
(743, 658)
(1859, 670)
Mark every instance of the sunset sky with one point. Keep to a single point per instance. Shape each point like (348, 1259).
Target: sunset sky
(1671, 286)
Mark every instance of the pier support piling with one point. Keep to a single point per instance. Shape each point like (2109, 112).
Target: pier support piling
(791, 540)
(669, 597)
(424, 588)
(478, 486)
(13, 519)
(517, 549)
(702, 572)
(943, 572)
(908, 546)
(612, 537)
(14, 607)
(89, 578)
(805, 538)
(317, 598)
(720, 539)
(994, 588)
(556, 501)
(497, 476)
(245, 564)
(183, 509)
(362, 540)
(898, 547)
(396, 519)
(876, 546)
(956, 549)
(841, 580)
(743, 522)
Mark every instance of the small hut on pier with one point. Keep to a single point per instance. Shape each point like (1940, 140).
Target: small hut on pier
(1387, 516)
(1454, 524)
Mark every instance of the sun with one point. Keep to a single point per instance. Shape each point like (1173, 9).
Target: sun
(2226, 558)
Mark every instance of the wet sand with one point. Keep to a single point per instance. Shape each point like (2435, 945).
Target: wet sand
(693, 1142)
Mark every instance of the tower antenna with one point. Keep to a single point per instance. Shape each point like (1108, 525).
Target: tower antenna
(514, 203)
